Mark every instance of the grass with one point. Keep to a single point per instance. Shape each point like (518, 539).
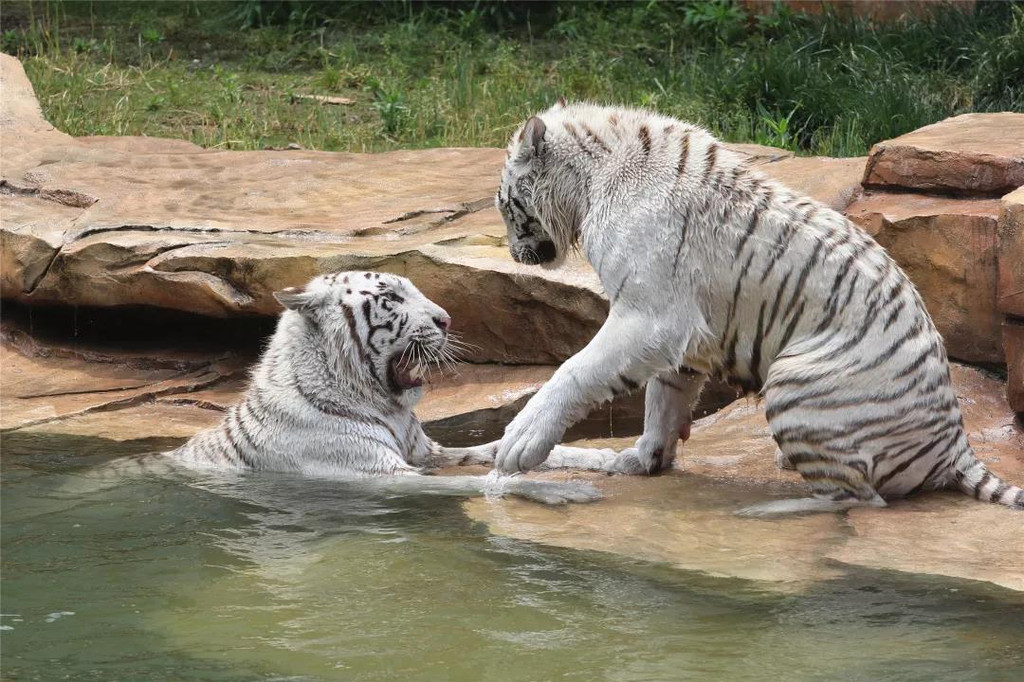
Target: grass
(464, 74)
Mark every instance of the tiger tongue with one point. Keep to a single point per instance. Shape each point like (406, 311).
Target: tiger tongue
(408, 375)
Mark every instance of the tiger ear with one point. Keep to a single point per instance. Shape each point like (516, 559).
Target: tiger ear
(294, 298)
(531, 139)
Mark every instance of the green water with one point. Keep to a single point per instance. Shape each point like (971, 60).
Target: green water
(274, 578)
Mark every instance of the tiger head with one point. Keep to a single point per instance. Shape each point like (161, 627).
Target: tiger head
(383, 331)
(537, 212)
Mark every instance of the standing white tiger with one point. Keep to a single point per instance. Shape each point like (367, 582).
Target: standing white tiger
(713, 269)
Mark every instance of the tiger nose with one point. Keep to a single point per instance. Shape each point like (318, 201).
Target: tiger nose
(443, 322)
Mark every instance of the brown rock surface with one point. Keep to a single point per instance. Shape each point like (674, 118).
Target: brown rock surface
(685, 518)
(132, 220)
(46, 384)
(977, 153)
(833, 182)
(1010, 289)
(1013, 342)
(948, 248)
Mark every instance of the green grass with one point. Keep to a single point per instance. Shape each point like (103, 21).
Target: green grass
(464, 74)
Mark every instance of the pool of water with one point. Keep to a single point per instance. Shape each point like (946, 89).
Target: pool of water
(263, 577)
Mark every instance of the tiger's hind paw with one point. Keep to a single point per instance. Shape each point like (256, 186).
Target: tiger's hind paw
(806, 505)
(782, 461)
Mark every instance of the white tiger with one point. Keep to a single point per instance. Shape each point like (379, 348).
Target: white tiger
(713, 269)
(332, 395)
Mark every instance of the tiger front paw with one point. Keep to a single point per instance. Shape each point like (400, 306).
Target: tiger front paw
(525, 445)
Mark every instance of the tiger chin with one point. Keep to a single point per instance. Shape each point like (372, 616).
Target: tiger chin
(713, 269)
(333, 394)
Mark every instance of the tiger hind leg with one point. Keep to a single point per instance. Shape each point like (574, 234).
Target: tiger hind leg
(668, 412)
(837, 486)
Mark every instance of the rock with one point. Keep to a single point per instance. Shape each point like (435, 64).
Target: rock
(833, 182)
(140, 144)
(686, 522)
(685, 518)
(1013, 342)
(975, 153)
(114, 433)
(759, 154)
(1010, 289)
(60, 397)
(42, 384)
(143, 221)
(947, 534)
(948, 248)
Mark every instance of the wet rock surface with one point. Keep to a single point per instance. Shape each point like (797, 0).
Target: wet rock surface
(686, 517)
(975, 153)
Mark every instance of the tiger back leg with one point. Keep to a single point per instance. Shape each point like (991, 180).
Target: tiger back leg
(668, 412)
(839, 478)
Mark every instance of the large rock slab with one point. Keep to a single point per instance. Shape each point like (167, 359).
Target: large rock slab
(975, 153)
(141, 221)
(685, 518)
(949, 535)
(118, 402)
(948, 247)
(1010, 289)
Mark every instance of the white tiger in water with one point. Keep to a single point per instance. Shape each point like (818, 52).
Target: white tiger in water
(332, 395)
(712, 268)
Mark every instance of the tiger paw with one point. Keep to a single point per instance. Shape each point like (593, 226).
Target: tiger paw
(652, 457)
(782, 461)
(627, 462)
(526, 444)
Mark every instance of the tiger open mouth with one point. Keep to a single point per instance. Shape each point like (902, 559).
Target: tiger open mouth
(405, 373)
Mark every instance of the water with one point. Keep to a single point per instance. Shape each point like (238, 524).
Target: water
(265, 577)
